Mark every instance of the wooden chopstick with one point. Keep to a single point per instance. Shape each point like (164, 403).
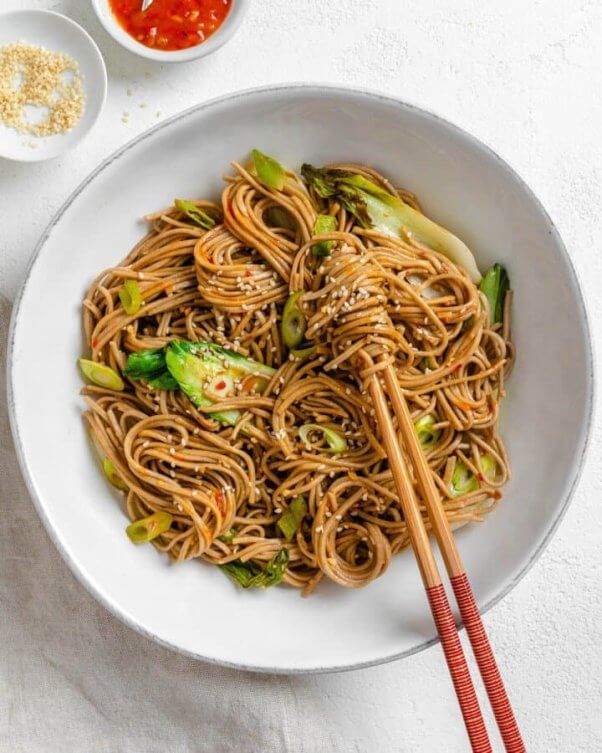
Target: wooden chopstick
(479, 641)
(419, 539)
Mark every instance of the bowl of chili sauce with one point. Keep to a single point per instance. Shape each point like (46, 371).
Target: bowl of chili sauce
(171, 30)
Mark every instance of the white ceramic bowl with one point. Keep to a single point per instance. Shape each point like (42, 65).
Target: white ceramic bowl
(59, 34)
(224, 32)
(192, 607)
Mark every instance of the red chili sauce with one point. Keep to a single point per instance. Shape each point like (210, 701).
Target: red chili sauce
(171, 24)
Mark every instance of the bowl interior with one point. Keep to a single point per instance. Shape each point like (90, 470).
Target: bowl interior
(58, 34)
(462, 184)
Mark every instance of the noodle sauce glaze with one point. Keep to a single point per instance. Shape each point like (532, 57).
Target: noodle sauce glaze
(171, 24)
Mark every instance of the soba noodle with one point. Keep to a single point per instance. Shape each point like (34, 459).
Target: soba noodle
(227, 486)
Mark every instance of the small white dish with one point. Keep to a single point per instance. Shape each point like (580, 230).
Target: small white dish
(58, 34)
(215, 41)
(546, 418)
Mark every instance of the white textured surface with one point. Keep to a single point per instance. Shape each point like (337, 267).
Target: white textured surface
(527, 79)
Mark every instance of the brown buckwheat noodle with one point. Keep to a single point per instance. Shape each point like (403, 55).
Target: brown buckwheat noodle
(391, 298)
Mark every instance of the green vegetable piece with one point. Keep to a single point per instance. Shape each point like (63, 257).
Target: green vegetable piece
(103, 376)
(191, 373)
(426, 434)
(234, 362)
(374, 207)
(130, 297)
(189, 366)
(489, 467)
(269, 171)
(193, 365)
(278, 217)
(150, 365)
(113, 477)
(194, 213)
(495, 285)
(164, 381)
(336, 442)
(147, 529)
(145, 364)
(463, 480)
(292, 518)
(228, 537)
(303, 353)
(241, 573)
(248, 575)
(325, 223)
(293, 324)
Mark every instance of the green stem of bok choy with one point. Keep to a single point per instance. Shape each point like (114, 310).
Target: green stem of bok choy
(269, 171)
(495, 284)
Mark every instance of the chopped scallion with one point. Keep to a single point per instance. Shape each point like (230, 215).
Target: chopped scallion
(147, 529)
(426, 434)
(113, 477)
(293, 323)
(463, 480)
(336, 442)
(102, 375)
(130, 297)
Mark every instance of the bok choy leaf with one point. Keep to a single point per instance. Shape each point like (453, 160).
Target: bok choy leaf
(374, 207)
(248, 574)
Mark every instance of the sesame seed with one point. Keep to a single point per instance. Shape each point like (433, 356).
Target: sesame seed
(42, 84)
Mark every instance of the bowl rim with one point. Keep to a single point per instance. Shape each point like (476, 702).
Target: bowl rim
(319, 89)
(220, 36)
(101, 81)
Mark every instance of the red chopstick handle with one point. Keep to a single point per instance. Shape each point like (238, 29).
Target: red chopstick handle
(458, 669)
(500, 703)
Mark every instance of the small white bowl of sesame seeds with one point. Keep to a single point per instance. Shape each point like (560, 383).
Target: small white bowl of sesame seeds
(53, 84)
